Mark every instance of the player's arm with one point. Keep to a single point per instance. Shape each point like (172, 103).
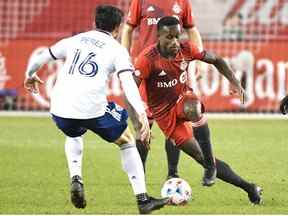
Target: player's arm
(195, 37)
(35, 63)
(132, 98)
(126, 37)
(135, 107)
(189, 25)
(57, 51)
(225, 70)
(141, 72)
(133, 20)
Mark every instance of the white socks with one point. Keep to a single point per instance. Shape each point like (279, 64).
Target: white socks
(74, 153)
(130, 158)
(132, 165)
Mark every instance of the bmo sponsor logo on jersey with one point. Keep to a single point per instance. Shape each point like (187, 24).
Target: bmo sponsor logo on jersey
(153, 20)
(174, 82)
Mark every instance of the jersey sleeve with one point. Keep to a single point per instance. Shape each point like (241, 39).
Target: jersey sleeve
(188, 17)
(134, 14)
(122, 62)
(59, 50)
(142, 67)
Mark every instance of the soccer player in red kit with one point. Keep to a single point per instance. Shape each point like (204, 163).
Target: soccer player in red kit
(174, 106)
(145, 15)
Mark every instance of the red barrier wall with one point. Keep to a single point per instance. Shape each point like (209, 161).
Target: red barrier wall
(266, 83)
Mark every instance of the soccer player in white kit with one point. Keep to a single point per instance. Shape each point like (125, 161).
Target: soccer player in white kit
(79, 103)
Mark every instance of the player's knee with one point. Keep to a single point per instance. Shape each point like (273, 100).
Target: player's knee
(125, 138)
(193, 110)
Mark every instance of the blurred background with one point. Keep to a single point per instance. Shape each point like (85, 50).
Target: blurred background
(251, 34)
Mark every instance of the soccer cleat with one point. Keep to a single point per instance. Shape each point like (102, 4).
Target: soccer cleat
(152, 204)
(255, 194)
(174, 175)
(77, 192)
(209, 177)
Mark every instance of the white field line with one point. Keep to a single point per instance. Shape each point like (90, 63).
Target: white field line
(247, 116)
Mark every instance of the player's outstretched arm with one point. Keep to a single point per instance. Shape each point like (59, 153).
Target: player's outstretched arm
(31, 79)
(225, 69)
(135, 108)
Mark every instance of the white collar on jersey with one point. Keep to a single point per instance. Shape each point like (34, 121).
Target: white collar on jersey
(105, 32)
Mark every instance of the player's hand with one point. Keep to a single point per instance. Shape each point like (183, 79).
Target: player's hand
(284, 105)
(144, 131)
(240, 91)
(32, 83)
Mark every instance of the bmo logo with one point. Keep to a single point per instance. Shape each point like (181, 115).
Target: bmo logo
(153, 20)
(174, 82)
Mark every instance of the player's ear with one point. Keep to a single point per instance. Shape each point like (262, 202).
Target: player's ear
(115, 32)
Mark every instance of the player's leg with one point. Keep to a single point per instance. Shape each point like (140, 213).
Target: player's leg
(185, 141)
(74, 153)
(143, 151)
(171, 151)
(193, 110)
(114, 129)
(132, 165)
(224, 172)
(202, 135)
(173, 155)
(190, 108)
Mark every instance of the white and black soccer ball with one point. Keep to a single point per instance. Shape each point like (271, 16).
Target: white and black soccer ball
(178, 190)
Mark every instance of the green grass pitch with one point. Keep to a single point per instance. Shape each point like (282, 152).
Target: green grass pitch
(34, 177)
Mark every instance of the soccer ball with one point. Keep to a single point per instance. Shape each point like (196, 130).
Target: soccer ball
(178, 190)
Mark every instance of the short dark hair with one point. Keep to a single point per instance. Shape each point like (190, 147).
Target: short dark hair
(108, 17)
(167, 21)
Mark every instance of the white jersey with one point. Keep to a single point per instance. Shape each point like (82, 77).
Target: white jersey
(80, 90)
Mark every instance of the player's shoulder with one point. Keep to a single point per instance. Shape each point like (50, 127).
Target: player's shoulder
(150, 52)
(188, 46)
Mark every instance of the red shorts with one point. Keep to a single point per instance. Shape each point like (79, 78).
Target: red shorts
(174, 124)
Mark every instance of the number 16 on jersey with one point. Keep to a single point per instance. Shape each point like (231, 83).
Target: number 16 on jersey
(87, 67)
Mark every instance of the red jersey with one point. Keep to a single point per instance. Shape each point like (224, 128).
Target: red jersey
(147, 13)
(165, 79)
